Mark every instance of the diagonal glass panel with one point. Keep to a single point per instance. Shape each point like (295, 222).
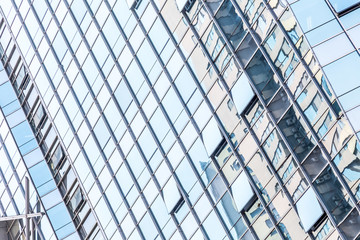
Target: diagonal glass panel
(242, 93)
(172, 197)
(211, 136)
(242, 192)
(309, 209)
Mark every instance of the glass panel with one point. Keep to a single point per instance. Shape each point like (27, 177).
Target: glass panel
(263, 225)
(291, 228)
(246, 49)
(298, 80)
(348, 70)
(293, 127)
(213, 233)
(242, 93)
(287, 169)
(57, 157)
(253, 210)
(213, 4)
(211, 136)
(280, 52)
(263, 77)
(230, 215)
(263, 23)
(279, 104)
(242, 192)
(296, 185)
(332, 194)
(275, 149)
(309, 209)
(325, 52)
(76, 200)
(351, 225)
(231, 169)
(323, 32)
(348, 163)
(312, 103)
(231, 23)
(172, 197)
(293, 30)
(262, 127)
(343, 5)
(311, 14)
(315, 163)
(279, 205)
(259, 171)
(323, 230)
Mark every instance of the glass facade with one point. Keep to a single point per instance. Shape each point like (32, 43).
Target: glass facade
(181, 119)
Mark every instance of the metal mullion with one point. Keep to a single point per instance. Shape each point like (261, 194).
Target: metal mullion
(298, 55)
(221, 127)
(343, 13)
(336, 170)
(101, 152)
(11, 164)
(205, 96)
(35, 89)
(270, 116)
(294, 103)
(229, 141)
(357, 237)
(157, 141)
(56, 95)
(284, 86)
(199, 177)
(127, 165)
(131, 133)
(179, 140)
(273, 170)
(171, 81)
(6, 184)
(356, 50)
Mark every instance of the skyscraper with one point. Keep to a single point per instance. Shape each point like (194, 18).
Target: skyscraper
(180, 119)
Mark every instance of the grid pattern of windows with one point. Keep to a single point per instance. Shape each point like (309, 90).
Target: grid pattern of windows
(224, 119)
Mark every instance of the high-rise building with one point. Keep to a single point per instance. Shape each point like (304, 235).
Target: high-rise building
(180, 119)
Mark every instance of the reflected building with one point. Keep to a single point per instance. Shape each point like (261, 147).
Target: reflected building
(180, 119)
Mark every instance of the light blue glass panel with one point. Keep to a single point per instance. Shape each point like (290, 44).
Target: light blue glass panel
(3, 75)
(171, 195)
(326, 52)
(40, 173)
(351, 18)
(354, 116)
(6, 92)
(242, 93)
(147, 227)
(354, 34)
(323, 32)
(242, 191)
(29, 146)
(350, 99)
(309, 209)
(59, 216)
(180, 4)
(345, 70)
(22, 133)
(213, 232)
(341, 5)
(311, 13)
(211, 136)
